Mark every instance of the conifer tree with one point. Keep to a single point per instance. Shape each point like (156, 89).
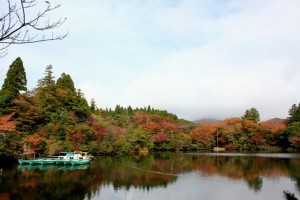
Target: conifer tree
(294, 113)
(66, 92)
(82, 109)
(130, 111)
(252, 115)
(65, 82)
(93, 105)
(148, 109)
(6, 102)
(48, 81)
(118, 109)
(14, 82)
(293, 127)
(46, 92)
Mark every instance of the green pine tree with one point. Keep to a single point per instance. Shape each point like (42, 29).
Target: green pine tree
(130, 111)
(82, 109)
(15, 80)
(252, 115)
(93, 105)
(294, 113)
(65, 82)
(293, 128)
(66, 92)
(6, 102)
(47, 95)
(14, 83)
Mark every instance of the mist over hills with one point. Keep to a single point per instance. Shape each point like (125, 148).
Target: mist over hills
(213, 120)
(206, 119)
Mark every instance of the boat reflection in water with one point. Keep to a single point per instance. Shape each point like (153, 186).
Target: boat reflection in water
(55, 167)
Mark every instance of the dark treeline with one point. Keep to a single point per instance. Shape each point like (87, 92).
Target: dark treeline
(55, 116)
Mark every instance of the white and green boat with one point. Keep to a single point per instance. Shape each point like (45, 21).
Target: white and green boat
(64, 158)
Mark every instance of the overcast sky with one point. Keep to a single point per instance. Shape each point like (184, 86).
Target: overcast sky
(194, 58)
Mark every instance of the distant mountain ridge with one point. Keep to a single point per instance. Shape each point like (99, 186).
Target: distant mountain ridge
(207, 119)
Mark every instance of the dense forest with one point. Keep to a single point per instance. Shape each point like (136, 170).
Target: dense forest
(55, 116)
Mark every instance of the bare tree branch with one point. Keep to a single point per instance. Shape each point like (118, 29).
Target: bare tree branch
(17, 28)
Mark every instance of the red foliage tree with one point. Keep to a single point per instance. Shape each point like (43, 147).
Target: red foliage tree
(168, 126)
(159, 137)
(272, 130)
(203, 134)
(140, 118)
(6, 125)
(33, 141)
(151, 127)
(295, 142)
(101, 132)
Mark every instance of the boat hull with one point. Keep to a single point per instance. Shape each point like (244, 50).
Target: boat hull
(80, 162)
(35, 161)
(67, 162)
(23, 161)
(47, 162)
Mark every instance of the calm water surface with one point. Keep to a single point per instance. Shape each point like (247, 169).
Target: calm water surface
(159, 176)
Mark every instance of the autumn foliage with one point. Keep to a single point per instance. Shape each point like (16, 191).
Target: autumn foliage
(55, 116)
(6, 123)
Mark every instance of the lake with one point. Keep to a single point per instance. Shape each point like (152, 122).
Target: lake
(188, 176)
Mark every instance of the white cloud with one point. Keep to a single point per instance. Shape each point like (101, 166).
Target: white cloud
(194, 58)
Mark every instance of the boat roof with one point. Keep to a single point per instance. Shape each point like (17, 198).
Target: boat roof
(66, 153)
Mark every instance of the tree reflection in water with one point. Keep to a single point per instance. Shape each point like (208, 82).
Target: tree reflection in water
(289, 196)
(157, 170)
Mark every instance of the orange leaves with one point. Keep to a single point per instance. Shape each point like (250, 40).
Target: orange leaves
(140, 118)
(154, 123)
(151, 127)
(250, 126)
(62, 95)
(77, 136)
(231, 125)
(203, 134)
(28, 114)
(237, 133)
(159, 137)
(204, 130)
(257, 139)
(33, 140)
(168, 126)
(6, 124)
(273, 126)
(295, 142)
(156, 118)
(273, 130)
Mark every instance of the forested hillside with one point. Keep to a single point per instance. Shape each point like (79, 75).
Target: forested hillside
(55, 116)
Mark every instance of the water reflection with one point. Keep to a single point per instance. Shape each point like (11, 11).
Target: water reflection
(157, 176)
(56, 167)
